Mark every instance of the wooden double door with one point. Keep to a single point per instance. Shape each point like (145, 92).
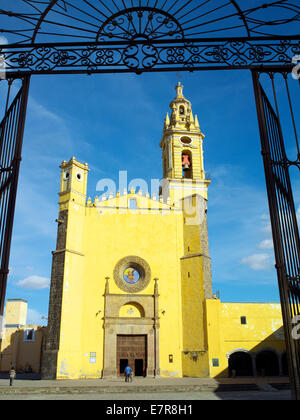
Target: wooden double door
(132, 351)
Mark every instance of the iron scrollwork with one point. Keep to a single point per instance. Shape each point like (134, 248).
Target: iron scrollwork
(140, 23)
(140, 56)
(36, 21)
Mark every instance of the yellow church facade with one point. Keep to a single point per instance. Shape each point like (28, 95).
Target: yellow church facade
(131, 278)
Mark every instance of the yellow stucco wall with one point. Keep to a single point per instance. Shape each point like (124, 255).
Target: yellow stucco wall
(16, 312)
(23, 355)
(226, 334)
(100, 239)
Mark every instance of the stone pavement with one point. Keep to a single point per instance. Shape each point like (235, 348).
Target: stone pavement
(140, 385)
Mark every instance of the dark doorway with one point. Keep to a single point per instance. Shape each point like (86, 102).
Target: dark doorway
(123, 364)
(267, 364)
(240, 364)
(139, 367)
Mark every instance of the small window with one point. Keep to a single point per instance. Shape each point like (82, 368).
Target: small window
(243, 320)
(132, 204)
(29, 334)
(182, 110)
(215, 362)
(171, 358)
(92, 357)
(186, 140)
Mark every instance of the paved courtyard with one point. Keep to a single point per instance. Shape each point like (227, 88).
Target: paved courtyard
(163, 397)
(147, 389)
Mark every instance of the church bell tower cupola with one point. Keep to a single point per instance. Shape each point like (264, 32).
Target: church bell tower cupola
(73, 181)
(181, 116)
(182, 150)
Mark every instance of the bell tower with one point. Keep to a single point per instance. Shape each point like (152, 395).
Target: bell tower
(67, 266)
(73, 181)
(182, 151)
(186, 185)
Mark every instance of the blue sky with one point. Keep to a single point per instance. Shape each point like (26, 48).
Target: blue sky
(114, 122)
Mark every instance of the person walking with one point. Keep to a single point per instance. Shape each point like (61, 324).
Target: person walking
(12, 376)
(127, 372)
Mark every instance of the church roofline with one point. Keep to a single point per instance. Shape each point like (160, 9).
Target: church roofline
(17, 300)
(157, 200)
(74, 161)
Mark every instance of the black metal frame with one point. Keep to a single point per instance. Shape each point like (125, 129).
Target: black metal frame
(141, 56)
(11, 139)
(283, 218)
(104, 20)
(121, 36)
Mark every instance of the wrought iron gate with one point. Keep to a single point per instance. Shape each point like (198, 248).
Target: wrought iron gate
(160, 35)
(11, 139)
(283, 219)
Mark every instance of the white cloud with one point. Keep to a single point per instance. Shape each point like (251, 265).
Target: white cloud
(265, 216)
(3, 40)
(258, 261)
(266, 228)
(3, 63)
(35, 318)
(266, 244)
(34, 282)
(35, 219)
(266, 223)
(41, 112)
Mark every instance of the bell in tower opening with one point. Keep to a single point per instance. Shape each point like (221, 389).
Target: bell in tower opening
(186, 165)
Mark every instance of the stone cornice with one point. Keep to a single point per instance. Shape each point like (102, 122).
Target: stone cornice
(58, 251)
(194, 256)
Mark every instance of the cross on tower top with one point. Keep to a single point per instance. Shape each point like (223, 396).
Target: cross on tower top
(179, 89)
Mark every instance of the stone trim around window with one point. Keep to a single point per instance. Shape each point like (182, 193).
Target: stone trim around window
(140, 265)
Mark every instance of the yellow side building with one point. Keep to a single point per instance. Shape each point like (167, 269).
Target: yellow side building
(131, 278)
(21, 343)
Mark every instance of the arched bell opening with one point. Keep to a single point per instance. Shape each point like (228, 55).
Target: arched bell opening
(186, 159)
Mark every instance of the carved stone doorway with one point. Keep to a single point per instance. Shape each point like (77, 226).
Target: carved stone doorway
(133, 349)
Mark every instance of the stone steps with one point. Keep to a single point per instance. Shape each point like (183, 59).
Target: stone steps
(131, 388)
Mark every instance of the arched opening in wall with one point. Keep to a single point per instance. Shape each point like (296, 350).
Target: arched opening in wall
(186, 159)
(267, 363)
(132, 310)
(165, 169)
(240, 364)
